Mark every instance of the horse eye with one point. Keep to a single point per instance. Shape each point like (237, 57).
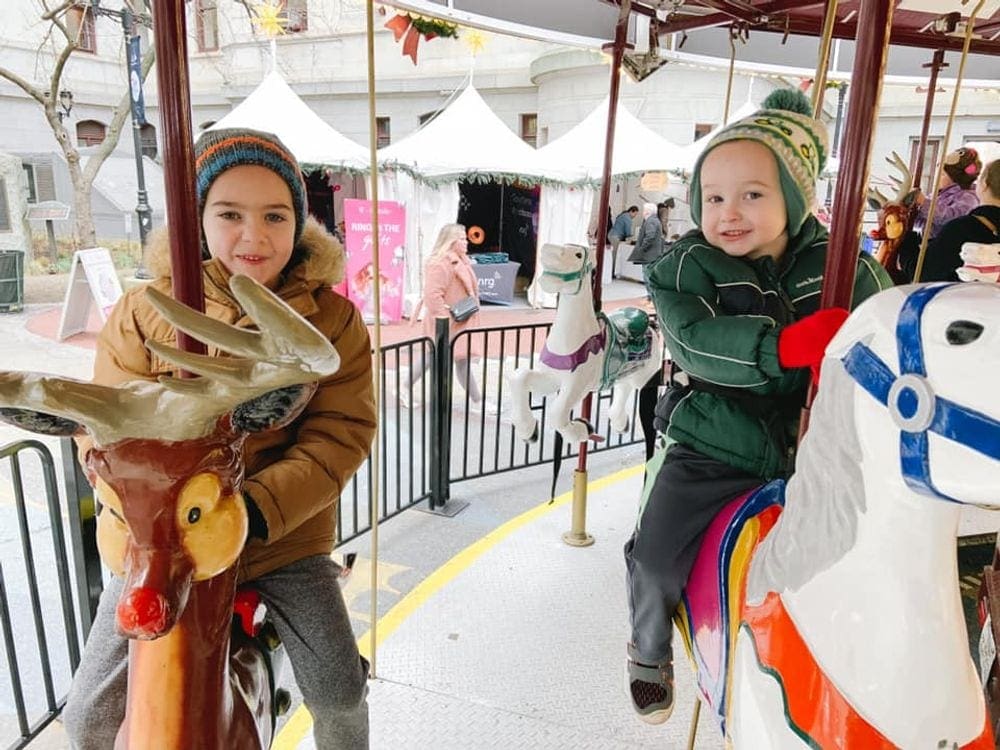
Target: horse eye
(963, 332)
(193, 515)
(579, 255)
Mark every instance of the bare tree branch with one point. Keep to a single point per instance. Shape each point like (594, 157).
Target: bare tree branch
(29, 88)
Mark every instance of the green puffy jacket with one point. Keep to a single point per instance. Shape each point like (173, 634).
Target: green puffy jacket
(720, 317)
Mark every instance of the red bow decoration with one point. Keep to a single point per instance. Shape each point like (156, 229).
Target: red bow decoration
(413, 28)
(401, 24)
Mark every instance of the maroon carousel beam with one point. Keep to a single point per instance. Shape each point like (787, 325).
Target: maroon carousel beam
(720, 19)
(604, 202)
(174, 93)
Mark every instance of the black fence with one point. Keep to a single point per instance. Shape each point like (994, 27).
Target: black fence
(37, 615)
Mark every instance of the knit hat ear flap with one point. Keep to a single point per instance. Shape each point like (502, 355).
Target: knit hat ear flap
(219, 150)
(798, 141)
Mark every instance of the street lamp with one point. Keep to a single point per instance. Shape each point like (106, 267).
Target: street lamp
(129, 20)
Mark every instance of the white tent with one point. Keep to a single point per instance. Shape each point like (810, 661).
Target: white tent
(466, 137)
(423, 169)
(637, 148)
(274, 108)
(691, 152)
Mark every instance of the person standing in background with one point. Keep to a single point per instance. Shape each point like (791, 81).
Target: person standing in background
(956, 194)
(620, 231)
(649, 240)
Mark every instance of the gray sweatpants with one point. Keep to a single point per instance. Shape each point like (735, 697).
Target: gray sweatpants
(304, 601)
(684, 491)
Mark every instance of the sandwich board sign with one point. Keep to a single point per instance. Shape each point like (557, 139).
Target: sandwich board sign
(92, 278)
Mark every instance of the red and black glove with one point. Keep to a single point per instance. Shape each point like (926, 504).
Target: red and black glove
(802, 343)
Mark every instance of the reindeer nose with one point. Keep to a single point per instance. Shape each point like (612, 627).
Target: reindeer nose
(143, 612)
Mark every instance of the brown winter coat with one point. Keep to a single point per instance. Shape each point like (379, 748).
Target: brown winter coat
(448, 279)
(294, 475)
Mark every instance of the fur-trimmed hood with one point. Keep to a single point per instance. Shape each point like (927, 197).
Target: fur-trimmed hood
(322, 257)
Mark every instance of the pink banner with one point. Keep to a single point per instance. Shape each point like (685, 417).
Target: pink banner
(360, 263)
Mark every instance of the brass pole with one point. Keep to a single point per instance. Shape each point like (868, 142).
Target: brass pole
(577, 536)
(969, 28)
(729, 80)
(377, 370)
(819, 80)
(693, 730)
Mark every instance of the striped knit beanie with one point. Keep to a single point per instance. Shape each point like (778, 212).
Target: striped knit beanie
(219, 150)
(799, 144)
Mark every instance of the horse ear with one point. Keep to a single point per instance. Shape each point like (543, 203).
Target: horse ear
(41, 423)
(273, 409)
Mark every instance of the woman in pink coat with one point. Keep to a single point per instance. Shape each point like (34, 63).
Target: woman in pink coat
(449, 278)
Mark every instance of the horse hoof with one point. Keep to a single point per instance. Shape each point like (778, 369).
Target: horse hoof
(527, 437)
(621, 426)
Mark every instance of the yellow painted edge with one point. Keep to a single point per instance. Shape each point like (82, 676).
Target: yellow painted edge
(295, 728)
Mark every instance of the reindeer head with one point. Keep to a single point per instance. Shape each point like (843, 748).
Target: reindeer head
(167, 461)
(896, 214)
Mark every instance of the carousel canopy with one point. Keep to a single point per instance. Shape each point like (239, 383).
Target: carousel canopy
(636, 149)
(274, 108)
(467, 138)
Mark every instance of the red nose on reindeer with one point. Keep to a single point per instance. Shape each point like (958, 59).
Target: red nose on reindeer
(143, 613)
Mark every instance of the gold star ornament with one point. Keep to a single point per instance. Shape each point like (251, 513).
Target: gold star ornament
(268, 19)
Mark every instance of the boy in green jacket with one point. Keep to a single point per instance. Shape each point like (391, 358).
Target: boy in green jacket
(738, 303)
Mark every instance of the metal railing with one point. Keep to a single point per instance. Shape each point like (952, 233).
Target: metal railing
(27, 631)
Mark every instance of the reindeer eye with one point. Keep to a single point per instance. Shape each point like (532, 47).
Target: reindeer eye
(194, 514)
(963, 332)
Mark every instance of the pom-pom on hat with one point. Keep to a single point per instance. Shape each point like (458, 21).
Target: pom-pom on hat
(786, 127)
(219, 150)
(963, 166)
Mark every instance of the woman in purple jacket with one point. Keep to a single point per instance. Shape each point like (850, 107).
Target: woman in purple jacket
(956, 191)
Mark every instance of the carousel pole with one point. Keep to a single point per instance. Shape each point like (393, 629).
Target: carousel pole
(823, 64)
(936, 64)
(577, 536)
(377, 373)
(969, 28)
(872, 51)
(174, 96)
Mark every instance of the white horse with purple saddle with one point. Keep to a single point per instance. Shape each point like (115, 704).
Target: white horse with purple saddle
(584, 351)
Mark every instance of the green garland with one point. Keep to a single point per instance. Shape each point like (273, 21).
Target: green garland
(434, 26)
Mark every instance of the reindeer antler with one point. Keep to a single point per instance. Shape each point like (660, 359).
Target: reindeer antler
(287, 350)
(904, 183)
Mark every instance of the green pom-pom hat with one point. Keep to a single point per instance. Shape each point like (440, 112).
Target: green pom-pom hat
(798, 141)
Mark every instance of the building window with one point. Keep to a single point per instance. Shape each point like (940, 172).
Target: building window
(382, 132)
(207, 25)
(701, 129)
(4, 210)
(147, 136)
(929, 171)
(29, 179)
(90, 132)
(297, 14)
(529, 128)
(80, 25)
(426, 117)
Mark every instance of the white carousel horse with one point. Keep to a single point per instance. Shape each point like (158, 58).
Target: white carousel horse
(837, 621)
(980, 262)
(583, 352)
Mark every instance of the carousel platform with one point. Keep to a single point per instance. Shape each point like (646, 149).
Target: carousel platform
(516, 639)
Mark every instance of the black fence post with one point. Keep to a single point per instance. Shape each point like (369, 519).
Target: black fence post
(441, 415)
(82, 508)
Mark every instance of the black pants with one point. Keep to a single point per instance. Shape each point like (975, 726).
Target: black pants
(681, 498)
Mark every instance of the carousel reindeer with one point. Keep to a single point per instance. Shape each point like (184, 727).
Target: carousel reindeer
(895, 218)
(173, 522)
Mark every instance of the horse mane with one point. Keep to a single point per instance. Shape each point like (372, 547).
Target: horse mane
(823, 499)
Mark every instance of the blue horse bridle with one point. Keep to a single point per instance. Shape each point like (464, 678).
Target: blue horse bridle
(912, 402)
